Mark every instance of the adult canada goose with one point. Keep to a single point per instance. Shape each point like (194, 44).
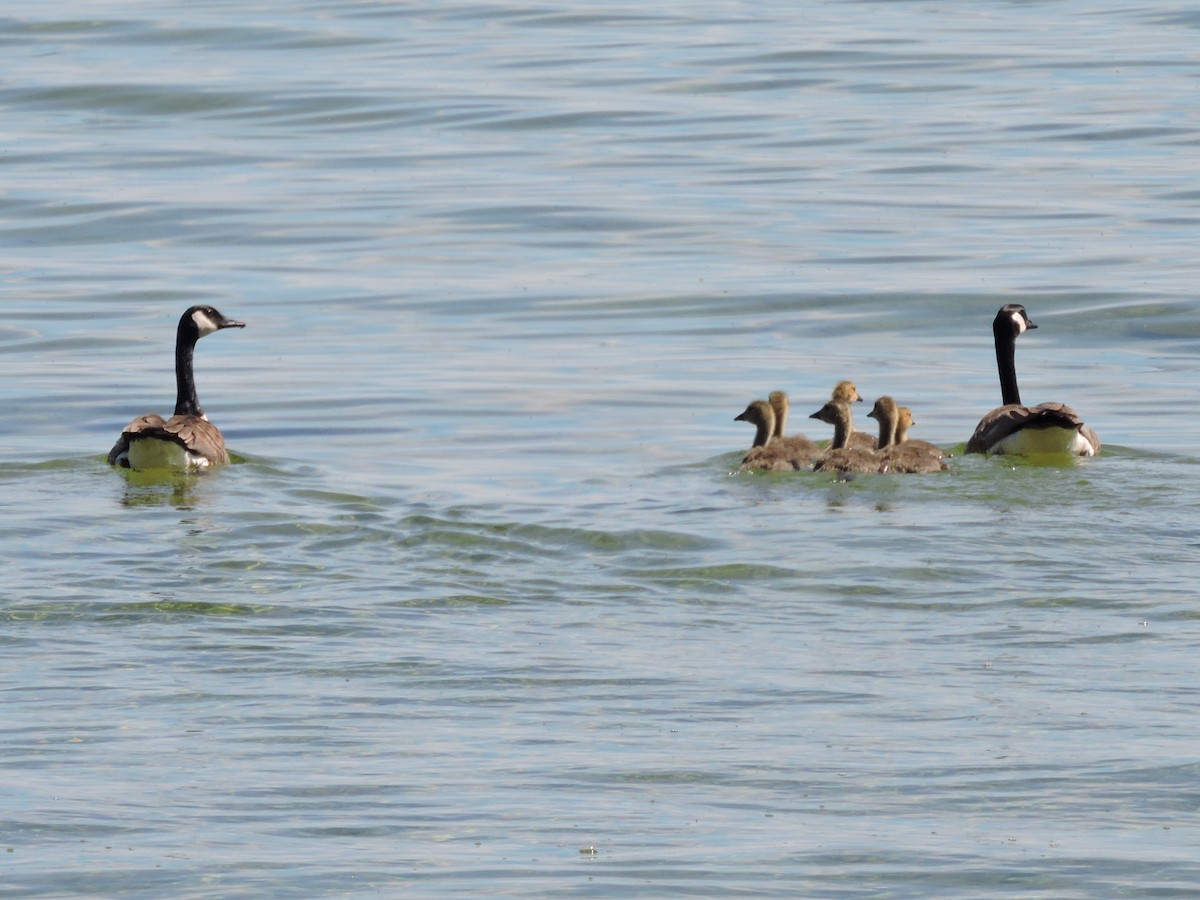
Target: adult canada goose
(187, 440)
(800, 447)
(896, 452)
(1017, 429)
(840, 457)
(766, 454)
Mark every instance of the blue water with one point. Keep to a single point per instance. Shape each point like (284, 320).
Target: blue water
(483, 607)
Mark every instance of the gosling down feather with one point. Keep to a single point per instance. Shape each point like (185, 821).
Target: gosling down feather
(897, 453)
(765, 454)
(841, 457)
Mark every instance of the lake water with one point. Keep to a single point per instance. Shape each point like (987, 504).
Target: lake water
(483, 608)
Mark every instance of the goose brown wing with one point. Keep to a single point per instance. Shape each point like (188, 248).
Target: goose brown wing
(1004, 421)
(148, 422)
(1059, 415)
(770, 458)
(848, 460)
(1087, 432)
(199, 436)
(913, 457)
(800, 449)
(861, 440)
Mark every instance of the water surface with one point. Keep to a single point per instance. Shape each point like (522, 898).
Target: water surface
(484, 607)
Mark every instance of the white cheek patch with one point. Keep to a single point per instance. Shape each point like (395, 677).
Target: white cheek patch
(204, 324)
(1019, 320)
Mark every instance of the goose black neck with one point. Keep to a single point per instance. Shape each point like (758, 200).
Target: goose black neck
(842, 429)
(1006, 363)
(763, 432)
(887, 431)
(186, 401)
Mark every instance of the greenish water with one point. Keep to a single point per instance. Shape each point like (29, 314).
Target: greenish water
(483, 607)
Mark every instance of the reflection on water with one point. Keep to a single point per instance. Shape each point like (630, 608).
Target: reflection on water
(482, 587)
(157, 487)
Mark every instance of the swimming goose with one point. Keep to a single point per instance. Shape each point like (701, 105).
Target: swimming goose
(897, 453)
(846, 392)
(187, 440)
(1013, 428)
(801, 448)
(906, 422)
(840, 457)
(765, 454)
(884, 412)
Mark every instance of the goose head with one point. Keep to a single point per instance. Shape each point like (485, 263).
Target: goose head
(1012, 321)
(835, 413)
(759, 414)
(845, 392)
(200, 321)
(887, 414)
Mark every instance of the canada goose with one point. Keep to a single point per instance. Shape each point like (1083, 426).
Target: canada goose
(905, 422)
(765, 454)
(1013, 428)
(846, 392)
(840, 457)
(800, 447)
(884, 412)
(897, 454)
(187, 440)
